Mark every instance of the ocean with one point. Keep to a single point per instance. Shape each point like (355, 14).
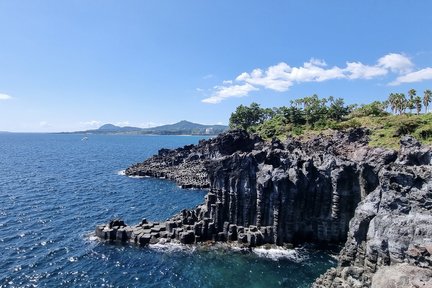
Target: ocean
(54, 190)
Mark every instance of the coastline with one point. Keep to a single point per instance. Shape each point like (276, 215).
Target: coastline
(357, 173)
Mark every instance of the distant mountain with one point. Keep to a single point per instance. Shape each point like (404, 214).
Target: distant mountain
(114, 128)
(186, 127)
(180, 128)
(109, 127)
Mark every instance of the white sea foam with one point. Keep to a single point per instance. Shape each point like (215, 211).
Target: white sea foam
(276, 253)
(171, 247)
(93, 238)
(121, 172)
(73, 259)
(137, 177)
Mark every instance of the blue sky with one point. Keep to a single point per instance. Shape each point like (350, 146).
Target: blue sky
(73, 65)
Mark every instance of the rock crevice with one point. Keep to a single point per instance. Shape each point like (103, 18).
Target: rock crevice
(329, 189)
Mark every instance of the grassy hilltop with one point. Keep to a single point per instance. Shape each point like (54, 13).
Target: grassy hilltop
(387, 120)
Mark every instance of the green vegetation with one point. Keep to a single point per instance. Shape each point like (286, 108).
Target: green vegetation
(388, 120)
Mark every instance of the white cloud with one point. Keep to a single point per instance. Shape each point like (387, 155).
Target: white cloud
(223, 92)
(282, 76)
(4, 96)
(314, 71)
(275, 78)
(396, 63)
(417, 76)
(357, 70)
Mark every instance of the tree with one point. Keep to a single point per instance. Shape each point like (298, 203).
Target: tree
(337, 109)
(375, 108)
(247, 117)
(314, 108)
(417, 101)
(401, 102)
(427, 98)
(291, 114)
(411, 103)
(392, 100)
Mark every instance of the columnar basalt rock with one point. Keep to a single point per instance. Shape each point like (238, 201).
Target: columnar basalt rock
(295, 191)
(390, 234)
(324, 190)
(186, 165)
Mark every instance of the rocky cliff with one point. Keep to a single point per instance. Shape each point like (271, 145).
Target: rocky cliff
(390, 236)
(329, 189)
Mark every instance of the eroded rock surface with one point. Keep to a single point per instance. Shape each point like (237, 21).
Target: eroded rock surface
(325, 190)
(186, 165)
(390, 234)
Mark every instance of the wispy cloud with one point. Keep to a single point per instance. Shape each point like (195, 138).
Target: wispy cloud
(417, 76)
(398, 63)
(357, 70)
(223, 92)
(282, 76)
(5, 96)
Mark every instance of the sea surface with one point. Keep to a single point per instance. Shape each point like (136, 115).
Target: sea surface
(54, 190)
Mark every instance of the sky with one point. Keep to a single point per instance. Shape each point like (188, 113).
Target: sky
(75, 65)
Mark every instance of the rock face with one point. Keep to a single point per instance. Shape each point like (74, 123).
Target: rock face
(329, 189)
(186, 165)
(390, 234)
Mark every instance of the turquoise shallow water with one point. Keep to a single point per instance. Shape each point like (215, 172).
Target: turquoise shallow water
(54, 189)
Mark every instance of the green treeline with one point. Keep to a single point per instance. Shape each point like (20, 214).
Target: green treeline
(388, 120)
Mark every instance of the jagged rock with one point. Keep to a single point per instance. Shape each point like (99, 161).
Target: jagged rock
(186, 165)
(402, 276)
(187, 237)
(324, 190)
(391, 225)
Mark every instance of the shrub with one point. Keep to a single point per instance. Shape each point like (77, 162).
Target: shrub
(406, 126)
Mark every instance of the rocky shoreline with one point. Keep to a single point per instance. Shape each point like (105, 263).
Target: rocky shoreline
(327, 190)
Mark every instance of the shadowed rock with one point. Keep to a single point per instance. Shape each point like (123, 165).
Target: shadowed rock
(329, 189)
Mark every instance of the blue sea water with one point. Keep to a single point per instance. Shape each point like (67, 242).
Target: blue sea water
(54, 190)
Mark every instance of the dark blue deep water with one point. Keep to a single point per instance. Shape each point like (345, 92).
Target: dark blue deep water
(54, 189)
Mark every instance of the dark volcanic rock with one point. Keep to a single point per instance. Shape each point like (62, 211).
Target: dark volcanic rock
(390, 234)
(186, 165)
(325, 190)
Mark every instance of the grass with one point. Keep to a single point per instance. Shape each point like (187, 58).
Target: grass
(386, 131)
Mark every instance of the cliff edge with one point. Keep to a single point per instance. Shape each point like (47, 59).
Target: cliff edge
(390, 236)
(329, 189)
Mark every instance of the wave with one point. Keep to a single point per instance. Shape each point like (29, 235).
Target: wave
(276, 253)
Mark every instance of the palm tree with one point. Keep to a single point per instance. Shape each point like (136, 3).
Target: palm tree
(401, 103)
(427, 98)
(417, 104)
(412, 93)
(392, 102)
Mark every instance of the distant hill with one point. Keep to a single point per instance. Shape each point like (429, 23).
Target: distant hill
(113, 128)
(180, 128)
(186, 128)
